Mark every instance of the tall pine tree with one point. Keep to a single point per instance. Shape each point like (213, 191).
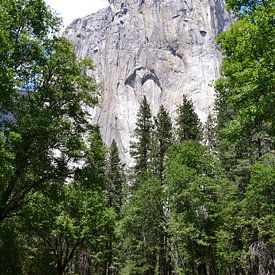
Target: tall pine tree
(188, 125)
(115, 177)
(164, 136)
(115, 180)
(140, 148)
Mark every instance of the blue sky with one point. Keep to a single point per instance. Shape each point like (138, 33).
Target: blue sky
(72, 9)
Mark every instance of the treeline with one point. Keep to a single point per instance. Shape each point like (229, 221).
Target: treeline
(199, 199)
(185, 212)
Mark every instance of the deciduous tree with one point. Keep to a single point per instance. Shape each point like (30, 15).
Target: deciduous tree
(44, 91)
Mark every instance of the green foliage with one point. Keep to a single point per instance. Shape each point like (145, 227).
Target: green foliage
(116, 178)
(248, 221)
(140, 227)
(195, 190)
(245, 93)
(259, 200)
(115, 196)
(248, 69)
(140, 148)
(187, 122)
(64, 220)
(42, 114)
(43, 123)
(26, 30)
(62, 224)
(90, 172)
(245, 132)
(64, 207)
(11, 248)
(244, 7)
(210, 134)
(192, 154)
(163, 138)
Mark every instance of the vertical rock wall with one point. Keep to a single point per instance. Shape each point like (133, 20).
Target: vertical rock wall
(158, 48)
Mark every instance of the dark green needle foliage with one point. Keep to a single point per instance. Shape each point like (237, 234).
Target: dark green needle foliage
(141, 146)
(115, 197)
(188, 125)
(115, 177)
(209, 133)
(163, 138)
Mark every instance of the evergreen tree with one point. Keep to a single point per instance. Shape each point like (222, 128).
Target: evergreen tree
(209, 133)
(188, 125)
(115, 180)
(245, 128)
(115, 177)
(141, 147)
(234, 156)
(163, 138)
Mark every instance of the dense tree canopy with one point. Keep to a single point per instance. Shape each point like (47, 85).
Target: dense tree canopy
(44, 90)
(43, 122)
(248, 69)
(67, 205)
(194, 191)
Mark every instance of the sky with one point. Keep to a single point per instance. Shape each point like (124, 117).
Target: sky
(72, 9)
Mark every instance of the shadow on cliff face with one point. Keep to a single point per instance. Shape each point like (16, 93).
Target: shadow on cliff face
(219, 12)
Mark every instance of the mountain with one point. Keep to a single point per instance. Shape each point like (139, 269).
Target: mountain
(158, 48)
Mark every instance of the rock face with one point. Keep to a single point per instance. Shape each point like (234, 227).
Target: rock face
(158, 48)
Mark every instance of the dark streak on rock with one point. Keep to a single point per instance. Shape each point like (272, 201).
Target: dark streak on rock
(131, 80)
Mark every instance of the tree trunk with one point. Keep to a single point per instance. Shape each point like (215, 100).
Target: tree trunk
(202, 270)
(165, 267)
(60, 268)
(109, 247)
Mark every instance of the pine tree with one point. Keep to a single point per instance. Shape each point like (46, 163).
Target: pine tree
(187, 122)
(115, 177)
(115, 180)
(163, 138)
(209, 133)
(163, 135)
(140, 148)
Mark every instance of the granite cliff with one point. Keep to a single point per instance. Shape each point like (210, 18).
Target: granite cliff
(158, 48)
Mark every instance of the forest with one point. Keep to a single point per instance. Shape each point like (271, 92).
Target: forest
(199, 199)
